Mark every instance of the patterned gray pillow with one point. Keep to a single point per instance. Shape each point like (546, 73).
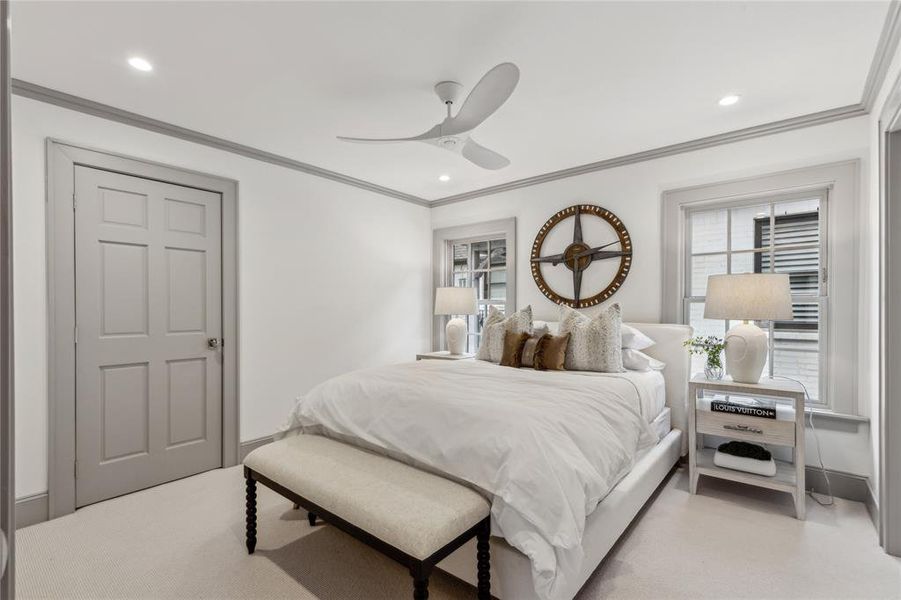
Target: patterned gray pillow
(496, 327)
(594, 344)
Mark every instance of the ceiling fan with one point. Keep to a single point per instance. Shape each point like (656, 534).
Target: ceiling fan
(453, 133)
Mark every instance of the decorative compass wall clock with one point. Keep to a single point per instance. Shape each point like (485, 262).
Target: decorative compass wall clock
(578, 255)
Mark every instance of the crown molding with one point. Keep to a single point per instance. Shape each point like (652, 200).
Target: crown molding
(111, 113)
(885, 50)
(810, 120)
(104, 111)
(882, 58)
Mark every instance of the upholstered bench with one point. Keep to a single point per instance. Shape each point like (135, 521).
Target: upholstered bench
(412, 516)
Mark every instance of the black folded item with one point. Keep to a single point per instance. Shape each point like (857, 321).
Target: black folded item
(745, 450)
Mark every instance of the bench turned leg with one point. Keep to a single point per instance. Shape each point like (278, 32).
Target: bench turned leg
(311, 517)
(483, 557)
(420, 575)
(421, 588)
(251, 520)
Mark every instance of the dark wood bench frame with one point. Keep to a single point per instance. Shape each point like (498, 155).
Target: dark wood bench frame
(419, 569)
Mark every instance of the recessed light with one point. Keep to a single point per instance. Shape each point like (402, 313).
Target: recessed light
(729, 100)
(141, 64)
(444, 178)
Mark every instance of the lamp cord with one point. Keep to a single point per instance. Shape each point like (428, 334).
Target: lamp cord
(816, 438)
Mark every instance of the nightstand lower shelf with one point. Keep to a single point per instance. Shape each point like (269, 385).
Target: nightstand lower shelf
(785, 479)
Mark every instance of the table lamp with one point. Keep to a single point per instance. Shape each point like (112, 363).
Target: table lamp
(455, 301)
(748, 297)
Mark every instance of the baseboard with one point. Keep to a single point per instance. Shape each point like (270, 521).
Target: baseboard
(250, 445)
(872, 506)
(31, 510)
(34, 509)
(844, 485)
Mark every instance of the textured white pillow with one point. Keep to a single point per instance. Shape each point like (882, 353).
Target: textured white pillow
(634, 339)
(496, 327)
(594, 344)
(551, 327)
(636, 360)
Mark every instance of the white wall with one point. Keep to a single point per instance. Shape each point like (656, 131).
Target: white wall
(314, 253)
(332, 278)
(633, 193)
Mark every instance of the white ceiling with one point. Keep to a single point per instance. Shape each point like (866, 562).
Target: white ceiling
(598, 80)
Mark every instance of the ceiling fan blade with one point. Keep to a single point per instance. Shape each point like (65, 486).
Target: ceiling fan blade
(486, 97)
(431, 133)
(483, 157)
(374, 140)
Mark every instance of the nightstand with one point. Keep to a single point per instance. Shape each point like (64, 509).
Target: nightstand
(444, 355)
(789, 477)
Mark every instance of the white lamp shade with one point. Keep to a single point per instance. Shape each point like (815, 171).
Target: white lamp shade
(455, 301)
(749, 297)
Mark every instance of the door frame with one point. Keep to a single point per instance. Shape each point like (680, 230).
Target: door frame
(889, 475)
(7, 389)
(62, 158)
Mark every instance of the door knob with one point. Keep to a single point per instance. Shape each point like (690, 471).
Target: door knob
(214, 343)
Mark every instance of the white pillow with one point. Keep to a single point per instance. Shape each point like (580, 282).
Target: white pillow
(552, 327)
(634, 339)
(636, 360)
(594, 344)
(496, 327)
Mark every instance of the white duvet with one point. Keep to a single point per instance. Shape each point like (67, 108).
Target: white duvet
(546, 447)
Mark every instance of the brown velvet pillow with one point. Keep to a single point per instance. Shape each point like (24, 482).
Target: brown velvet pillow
(550, 353)
(513, 344)
(528, 350)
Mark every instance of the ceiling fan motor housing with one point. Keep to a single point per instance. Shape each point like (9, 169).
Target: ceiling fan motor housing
(448, 91)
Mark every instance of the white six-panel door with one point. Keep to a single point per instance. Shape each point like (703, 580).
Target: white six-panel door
(148, 301)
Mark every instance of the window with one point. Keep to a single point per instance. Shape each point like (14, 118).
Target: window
(476, 256)
(783, 234)
(482, 264)
(722, 225)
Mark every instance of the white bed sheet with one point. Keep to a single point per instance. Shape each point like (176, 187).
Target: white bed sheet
(510, 570)
(651, 387)
(567, 442)
(662, 424)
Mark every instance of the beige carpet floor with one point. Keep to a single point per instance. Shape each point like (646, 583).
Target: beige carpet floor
(185, 540)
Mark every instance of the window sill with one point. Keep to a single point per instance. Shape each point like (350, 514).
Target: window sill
(837, 416)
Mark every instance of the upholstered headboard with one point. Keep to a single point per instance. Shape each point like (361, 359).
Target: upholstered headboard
(668, 347)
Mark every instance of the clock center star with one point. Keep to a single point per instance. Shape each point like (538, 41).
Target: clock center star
(574, 249)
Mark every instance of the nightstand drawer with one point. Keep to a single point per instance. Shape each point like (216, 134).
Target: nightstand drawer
(749, 429)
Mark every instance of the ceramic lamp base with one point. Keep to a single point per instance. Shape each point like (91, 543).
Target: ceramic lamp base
(746, 350)
(455, 333)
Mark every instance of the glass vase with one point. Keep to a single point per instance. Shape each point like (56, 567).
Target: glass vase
(713, 370)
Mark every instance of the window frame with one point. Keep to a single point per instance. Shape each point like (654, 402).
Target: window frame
(821, 299)
(844, 323)
(442, 263)
(450, 273)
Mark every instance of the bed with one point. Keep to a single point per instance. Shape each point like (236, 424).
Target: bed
(510, 569)
(567, 459)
